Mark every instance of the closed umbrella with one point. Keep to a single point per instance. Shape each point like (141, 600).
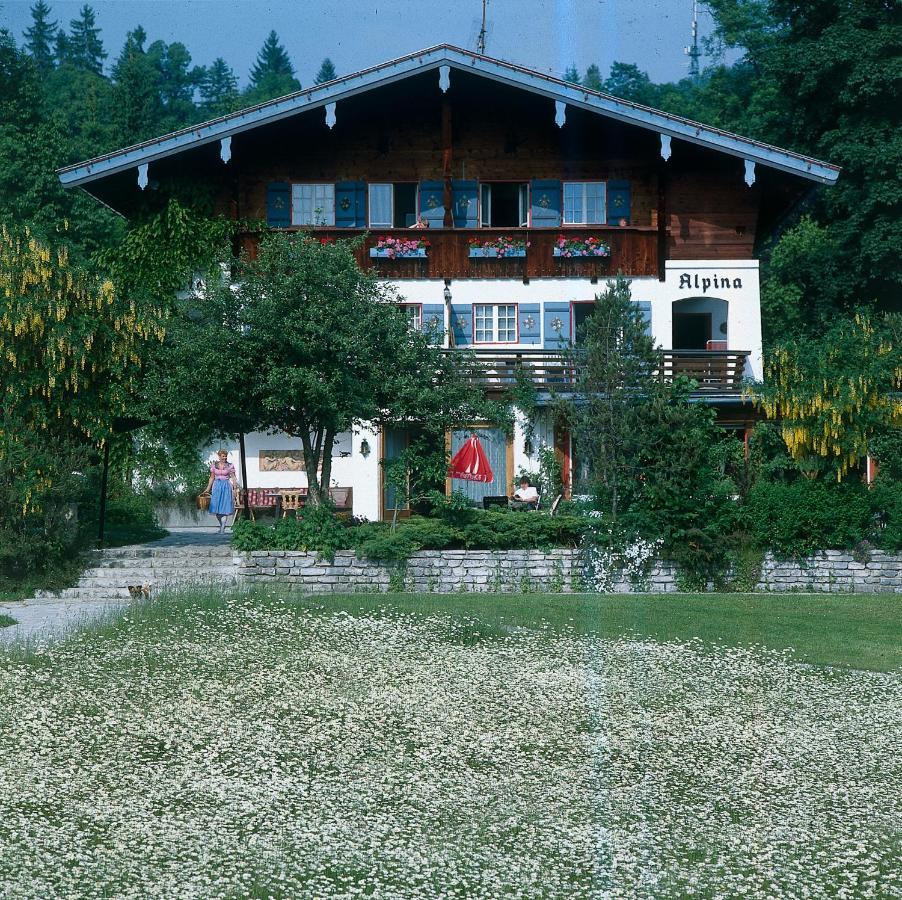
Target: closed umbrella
(470, 462)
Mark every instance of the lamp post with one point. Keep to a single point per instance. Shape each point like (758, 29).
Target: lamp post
(446, 293)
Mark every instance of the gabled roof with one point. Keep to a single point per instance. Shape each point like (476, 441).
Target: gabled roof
(436, 58)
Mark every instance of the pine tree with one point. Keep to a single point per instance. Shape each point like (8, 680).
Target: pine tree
(137, 109)
(593, 78)
(326, 72)
(85, 47)
(177, 81)
(272, 74)
(39, 39)
(572, 75)
(219, 89)
(61, 47)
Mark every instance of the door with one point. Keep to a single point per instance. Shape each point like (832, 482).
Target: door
(691, 331)
(494, 443)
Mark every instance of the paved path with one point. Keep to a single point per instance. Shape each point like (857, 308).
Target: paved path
(52, 619)
(205, 536)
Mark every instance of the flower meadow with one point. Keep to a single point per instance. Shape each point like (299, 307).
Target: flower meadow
(266, 747)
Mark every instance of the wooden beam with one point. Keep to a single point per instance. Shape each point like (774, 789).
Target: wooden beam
(448, 197)
(662, 220)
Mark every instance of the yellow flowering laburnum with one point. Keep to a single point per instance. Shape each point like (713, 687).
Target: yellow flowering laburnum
(70, 347)
(831, 396)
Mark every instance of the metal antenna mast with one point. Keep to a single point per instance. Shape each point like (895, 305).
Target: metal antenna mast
(693, 50)
(480, 41)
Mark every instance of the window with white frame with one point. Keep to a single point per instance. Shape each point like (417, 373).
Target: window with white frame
(503, 204)
(495, 323)
(313, 204)
(393, 205)
(584, 203)
(414, 313)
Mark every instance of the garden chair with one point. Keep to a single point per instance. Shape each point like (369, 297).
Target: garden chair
(293, 500)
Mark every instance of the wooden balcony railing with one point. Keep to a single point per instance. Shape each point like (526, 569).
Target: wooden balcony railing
(498, 371)
(634, 251)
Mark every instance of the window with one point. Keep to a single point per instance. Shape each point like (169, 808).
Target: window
(495, 323)
(414, 314)
(584, 203)
(313, 204)
(393, 205)
(503, 204)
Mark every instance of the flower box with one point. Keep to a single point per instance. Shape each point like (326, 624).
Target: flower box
(390, 253)
(494, 253)
(579, 254)
(581, 248)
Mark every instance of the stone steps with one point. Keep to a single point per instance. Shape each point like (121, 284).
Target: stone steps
(112, 572)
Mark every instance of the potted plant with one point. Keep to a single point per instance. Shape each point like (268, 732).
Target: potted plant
(501, 247)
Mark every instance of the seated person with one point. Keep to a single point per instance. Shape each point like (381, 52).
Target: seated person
(526, 496)
(421, 222)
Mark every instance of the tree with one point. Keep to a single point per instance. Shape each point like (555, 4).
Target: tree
(273, 74)
(40, 37)
(326, 72)
(177, 82)
(630, 82)
(592, 78)
(328, 350)
(61, 47)
(616, 380)
(572, 74)
(85, 49)
(833, 395)
(137, 108)
(219, 89)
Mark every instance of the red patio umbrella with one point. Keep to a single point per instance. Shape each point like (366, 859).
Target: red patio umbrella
(470, 462)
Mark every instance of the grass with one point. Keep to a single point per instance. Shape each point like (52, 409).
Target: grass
(6, 621)
(850, 631)
(478, 745)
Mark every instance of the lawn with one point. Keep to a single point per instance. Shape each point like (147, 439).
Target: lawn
(458, 747)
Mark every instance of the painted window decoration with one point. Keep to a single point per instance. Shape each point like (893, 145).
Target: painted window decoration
(393, 205)
(313, 204)
(495, 323)
(584, 203)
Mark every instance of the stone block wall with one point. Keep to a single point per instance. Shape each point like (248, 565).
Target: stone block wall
(553, 571)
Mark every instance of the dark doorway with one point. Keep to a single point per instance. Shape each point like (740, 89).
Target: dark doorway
(691, 331)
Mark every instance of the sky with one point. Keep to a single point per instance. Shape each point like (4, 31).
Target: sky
(547, 35)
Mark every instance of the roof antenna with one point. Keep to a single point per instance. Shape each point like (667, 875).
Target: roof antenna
(693, 51)
(480, 41)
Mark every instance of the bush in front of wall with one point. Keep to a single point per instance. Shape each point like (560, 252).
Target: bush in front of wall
(801, 517)
(316, 530)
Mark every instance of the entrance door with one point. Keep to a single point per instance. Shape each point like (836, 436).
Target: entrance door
(691, 331)
(494, 442)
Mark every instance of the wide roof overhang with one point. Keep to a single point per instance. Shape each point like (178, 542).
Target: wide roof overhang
(445, 59)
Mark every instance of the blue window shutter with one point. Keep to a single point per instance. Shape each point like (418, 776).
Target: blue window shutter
(462, 324)
(465, 205)
(530, 323)
(278, 205)
(618, 193)
(434, 320)
(545, 203)
(645, 307)
(432, 202)
(349, 200)
(556, 318)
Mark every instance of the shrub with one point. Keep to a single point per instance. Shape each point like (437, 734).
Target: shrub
(795, 519)
(316, 529)
(886, 497)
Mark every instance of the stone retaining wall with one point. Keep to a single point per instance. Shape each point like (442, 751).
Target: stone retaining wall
(553, 571)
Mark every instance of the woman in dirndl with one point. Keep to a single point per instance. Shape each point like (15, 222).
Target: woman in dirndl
(220, 487)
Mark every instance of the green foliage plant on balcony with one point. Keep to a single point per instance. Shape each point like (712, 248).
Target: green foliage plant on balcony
(575, 247)
(503, 246)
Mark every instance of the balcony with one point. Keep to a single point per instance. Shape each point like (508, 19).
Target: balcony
(497, 371)
(634, 251)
